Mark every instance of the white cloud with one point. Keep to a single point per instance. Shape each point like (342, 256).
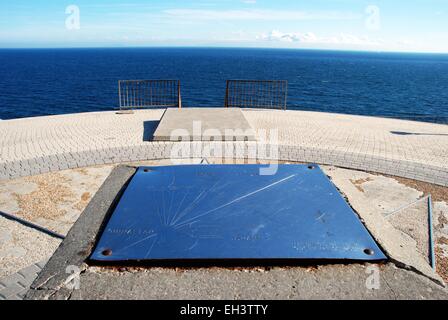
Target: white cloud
(312, 38)
(249, 1)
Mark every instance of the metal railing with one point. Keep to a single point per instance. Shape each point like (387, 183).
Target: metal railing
(134, 94)
(271, 94)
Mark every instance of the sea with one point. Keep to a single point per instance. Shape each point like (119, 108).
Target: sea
(36, 82)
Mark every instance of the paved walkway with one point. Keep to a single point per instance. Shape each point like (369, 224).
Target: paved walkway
(15, 286)
(404, 148)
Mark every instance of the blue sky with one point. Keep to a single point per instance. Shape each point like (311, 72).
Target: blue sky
(382, 25)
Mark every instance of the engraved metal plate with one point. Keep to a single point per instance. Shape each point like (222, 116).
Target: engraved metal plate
(213, 212)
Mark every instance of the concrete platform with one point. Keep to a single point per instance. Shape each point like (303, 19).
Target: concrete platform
(406, 276)
(204, 124)
(35, 154)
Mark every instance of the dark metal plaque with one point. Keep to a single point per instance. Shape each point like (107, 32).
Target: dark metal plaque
(213, 212)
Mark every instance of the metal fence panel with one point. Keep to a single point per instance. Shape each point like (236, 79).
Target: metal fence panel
(134, 94)
(270, 94)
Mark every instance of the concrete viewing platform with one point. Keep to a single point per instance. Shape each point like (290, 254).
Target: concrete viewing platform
(409, 149)
(62, 173)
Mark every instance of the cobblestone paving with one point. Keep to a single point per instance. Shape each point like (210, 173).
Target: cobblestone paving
(404, 148)
(15, 286)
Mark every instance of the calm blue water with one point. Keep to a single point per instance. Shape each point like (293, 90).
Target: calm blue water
(57, 81)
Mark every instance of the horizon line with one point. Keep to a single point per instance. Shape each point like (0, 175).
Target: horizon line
(221, 47)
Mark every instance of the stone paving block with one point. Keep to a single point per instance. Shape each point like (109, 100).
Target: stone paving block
(41, 264)
(12, 292)
(30, 272)
(15, 286)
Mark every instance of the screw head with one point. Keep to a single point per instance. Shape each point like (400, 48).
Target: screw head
(369, 252)
(107, 252)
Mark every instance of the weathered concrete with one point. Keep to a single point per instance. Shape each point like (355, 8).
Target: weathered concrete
(79, 242)
(53, 200)
(414, 221)
(440, 218)
(404, 198)
(399, 246)
(325, 281)
(21, 246)
(404, 207)
(204, 124)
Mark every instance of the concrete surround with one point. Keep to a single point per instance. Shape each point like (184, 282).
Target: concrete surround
(415, 150)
